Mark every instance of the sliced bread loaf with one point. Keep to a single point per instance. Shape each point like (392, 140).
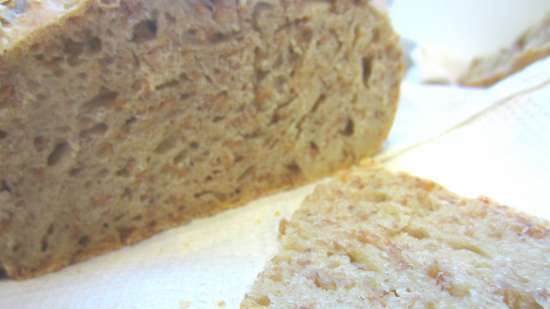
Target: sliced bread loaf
(121, 118)
(379, 240)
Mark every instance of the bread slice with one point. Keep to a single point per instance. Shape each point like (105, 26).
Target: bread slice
(373, 239)
(121, 118)
(531, 46)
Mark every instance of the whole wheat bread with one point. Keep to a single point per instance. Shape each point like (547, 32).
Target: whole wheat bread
(373, 239)
(529, 47)
(121, 118)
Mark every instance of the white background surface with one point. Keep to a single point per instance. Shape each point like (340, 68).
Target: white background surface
(492, 142)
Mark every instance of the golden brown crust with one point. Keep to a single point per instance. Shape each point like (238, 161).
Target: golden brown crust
(517, 64)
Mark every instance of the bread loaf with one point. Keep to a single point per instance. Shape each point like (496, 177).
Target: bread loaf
(531, 46)
(121, 118)
(373, 239)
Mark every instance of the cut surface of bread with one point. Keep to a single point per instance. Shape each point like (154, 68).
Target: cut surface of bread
(374, 239)
(530, 47)
(119, 119)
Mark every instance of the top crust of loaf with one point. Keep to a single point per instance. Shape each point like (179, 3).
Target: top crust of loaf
(23, 20)
(377, 240)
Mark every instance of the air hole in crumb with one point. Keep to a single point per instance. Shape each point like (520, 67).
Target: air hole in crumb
(98, 129)
(313, 149)
(180, 157)
(40, 143)
(130, 121)
(5, 187)
(123, 172)
(44, 244)
(103, 173)
(294, 168)
(168, 84)
(72, 48)
(194, 145)
(59, 72)
(145, 30)
(57, 155)
(166, 145)
(171, 19)
(185, 96)
(217, 37)
(94, 45)
(3, 134)
(103, 99)
(275, 118)
(349, 128)
(50, 229)
(75, 171)
(367, 70)
(84, 240)
(127, 193)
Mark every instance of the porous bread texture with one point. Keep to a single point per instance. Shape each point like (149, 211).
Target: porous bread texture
(530, 47)
(373, 239)
(119, 119)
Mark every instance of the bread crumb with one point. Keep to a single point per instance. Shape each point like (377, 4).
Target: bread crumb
(369, 240)
(277, 213)
(221, 304)
(185, 304)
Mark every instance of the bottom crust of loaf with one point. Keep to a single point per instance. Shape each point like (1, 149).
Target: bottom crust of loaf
(48, 266)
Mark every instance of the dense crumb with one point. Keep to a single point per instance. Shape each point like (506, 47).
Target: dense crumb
(531, 46)
(122, 118)
(374, 239)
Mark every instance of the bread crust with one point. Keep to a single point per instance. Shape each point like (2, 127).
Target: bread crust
(530, 47)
